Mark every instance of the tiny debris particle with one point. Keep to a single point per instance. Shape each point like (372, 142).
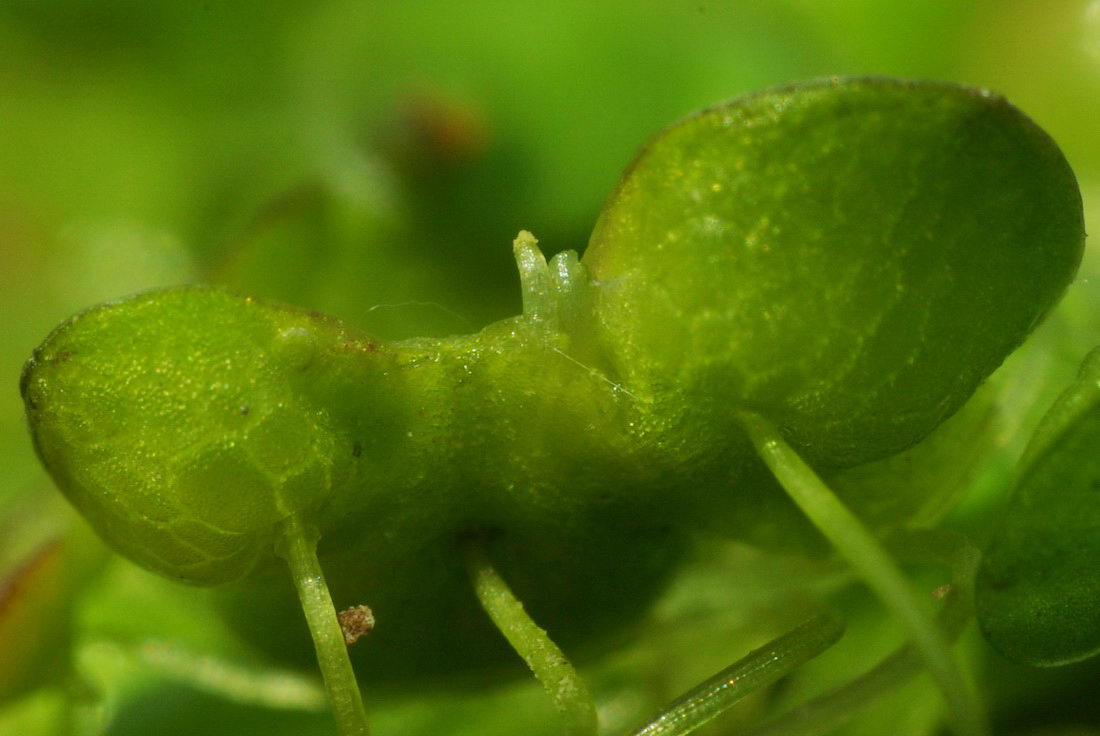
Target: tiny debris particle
(355, 622)
(940, 592)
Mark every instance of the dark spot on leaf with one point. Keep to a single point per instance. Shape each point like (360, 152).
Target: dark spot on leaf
(357, 449)
(244, 411)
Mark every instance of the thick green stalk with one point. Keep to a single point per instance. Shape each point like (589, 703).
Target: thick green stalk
(565, 688)
(299, 548)
(871, 561)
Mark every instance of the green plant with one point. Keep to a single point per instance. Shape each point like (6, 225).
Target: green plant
(799, 285)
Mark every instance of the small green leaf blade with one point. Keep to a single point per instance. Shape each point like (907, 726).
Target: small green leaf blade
(1038, 593)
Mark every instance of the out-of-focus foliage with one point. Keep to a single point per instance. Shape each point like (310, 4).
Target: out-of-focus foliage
(374, 160)
(1039, 602)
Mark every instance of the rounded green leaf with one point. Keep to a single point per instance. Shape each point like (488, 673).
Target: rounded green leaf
(170, 421)
(1038, 590)
(850, 258)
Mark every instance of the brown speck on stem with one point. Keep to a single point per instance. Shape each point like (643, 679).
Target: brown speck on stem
(355, 622)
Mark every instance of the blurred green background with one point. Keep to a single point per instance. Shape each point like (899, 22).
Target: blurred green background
(374, 160)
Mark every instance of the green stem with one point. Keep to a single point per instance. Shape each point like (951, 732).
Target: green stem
(299, 548)
(759, 669)
(826, 713)
(550, 666)
(864, 553)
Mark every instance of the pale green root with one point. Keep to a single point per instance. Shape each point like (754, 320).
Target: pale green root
(550, 666)
(759, 669)
(299, 548)
(824, 714)
(871, 561)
